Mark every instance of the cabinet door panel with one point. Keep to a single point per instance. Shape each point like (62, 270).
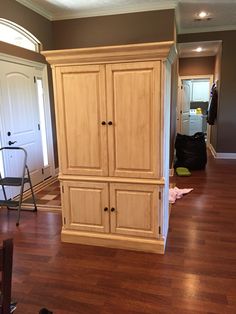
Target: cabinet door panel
(81, 109)
(133, 105)
(136, 209)
(83, 206)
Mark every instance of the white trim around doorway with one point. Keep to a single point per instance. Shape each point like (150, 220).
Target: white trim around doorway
(192, 77)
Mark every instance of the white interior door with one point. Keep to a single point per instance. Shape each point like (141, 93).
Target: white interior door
(185, 106)
(20, 119)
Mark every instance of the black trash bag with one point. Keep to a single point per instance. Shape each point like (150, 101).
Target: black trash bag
(191, 151)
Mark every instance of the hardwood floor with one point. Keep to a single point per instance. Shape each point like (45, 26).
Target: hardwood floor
(196, 275)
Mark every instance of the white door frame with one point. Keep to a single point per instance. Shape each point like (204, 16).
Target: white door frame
(192, 77)
(42, 67)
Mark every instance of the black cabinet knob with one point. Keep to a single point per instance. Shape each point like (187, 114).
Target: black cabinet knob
(112, 209)
(105, 209)
(103, 122)
(109, 122)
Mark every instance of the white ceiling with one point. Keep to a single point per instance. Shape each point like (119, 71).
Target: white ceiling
(67, 9)
(222, 12)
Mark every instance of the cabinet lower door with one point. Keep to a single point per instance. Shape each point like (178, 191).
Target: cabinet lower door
(134, 209)
(83, 206)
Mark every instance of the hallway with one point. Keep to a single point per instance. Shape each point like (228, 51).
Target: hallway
(197, 274)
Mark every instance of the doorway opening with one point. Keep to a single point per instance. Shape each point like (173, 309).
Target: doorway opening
(193, 105)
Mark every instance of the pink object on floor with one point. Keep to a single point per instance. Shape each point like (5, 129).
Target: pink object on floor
(177, 193)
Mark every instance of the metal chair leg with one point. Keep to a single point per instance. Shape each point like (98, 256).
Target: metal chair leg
(5, 196)
(31, 188)
(20, 202)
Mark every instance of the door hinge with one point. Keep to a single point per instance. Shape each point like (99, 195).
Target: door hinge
(64, 220)
(42, 170)
(159, 195)
(159, 229)
(62, 189)
(34, 79)
(181, 86)
(38, 126)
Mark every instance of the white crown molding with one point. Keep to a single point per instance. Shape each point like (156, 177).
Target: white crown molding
(36, 8)
(112, 11)
(207, 29)
(92, 13)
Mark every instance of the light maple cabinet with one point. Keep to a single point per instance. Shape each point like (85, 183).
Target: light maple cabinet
(112, 112)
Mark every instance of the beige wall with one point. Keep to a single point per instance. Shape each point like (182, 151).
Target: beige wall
(196, 66)
(114, 29)
(226, 122)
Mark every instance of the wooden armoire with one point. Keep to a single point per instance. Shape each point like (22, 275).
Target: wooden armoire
(113, 116)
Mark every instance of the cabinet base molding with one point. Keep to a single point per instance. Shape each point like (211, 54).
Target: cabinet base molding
(114, 241)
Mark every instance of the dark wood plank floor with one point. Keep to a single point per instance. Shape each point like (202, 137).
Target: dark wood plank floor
(196, 275)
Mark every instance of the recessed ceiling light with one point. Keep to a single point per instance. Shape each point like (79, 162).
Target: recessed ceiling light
(199, 49)
(202, 14)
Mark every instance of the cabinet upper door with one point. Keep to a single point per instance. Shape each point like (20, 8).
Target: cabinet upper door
(133, 107)
(81, 108)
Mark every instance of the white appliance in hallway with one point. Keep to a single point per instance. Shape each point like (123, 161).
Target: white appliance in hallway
(194, 99)
(196, 122)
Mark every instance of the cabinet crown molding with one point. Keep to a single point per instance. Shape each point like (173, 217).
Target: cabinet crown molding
(134, 52)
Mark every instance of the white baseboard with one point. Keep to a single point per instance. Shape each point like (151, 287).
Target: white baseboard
(221, 155)
(226, 155)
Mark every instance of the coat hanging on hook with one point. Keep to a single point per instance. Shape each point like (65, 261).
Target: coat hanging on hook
(212, 109)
